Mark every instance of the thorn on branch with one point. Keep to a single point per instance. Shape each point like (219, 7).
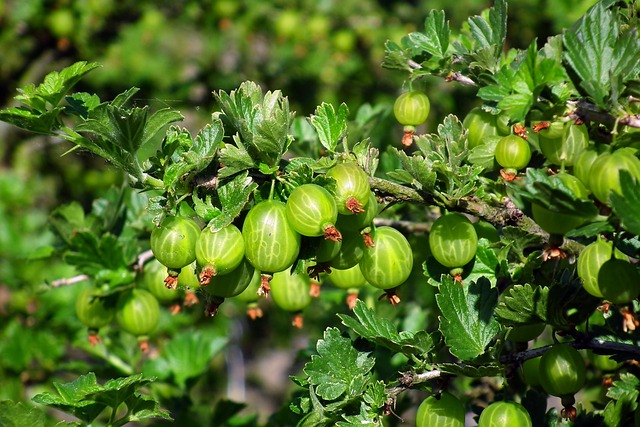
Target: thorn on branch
(69, 280)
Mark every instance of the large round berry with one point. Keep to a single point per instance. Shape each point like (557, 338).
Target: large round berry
(289, 291)
(591, 260)
(513, 152)
(219, 252)
(562, 370)
(453, 240)
(619, 281)
(505, 414)
(349, 278)
(480, 125)
(443, 411)
(389, 261)
(362, 220)
(352, 188)
(233, 283)
(566, 148)
(312, 211)
(350, 252)
(93, 310)
(605, 172)
(412, 108)
(271, 244)
(153, 279)
(173, 243)
(138, 312)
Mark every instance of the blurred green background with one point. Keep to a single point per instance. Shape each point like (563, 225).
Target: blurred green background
(178, 52)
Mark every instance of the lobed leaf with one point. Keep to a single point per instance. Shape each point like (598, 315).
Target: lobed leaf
(330, 125)
(338, 369)
(467, 323)
(523, 304)
(17, 414)
(382, 332)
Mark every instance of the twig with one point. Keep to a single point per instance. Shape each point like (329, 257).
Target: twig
(143, 258)
(409, 379)
(588, 112)
(593, 344)
(460, 78)
(69, 280)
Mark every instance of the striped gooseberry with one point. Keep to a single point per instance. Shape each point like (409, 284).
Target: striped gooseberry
(94, 311)
(605, 172)
(271, 244)
(350, 279)
(443, 411)
(290, 292)
(562, 370)
(389, 262)
(138, 313)
(173, 243)
(251, 296)
(512, 153)
(153, 277)
(350, 252)
(362, 220)
(312, 211)
(219, 252)
(591, 259)
(618, 281)
(411, 109)
(481, 125)
(229, 285)
(504, 413)
(566, 148)
(352, 188)
(453, 241)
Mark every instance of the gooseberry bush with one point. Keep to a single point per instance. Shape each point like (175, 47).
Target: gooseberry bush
(520, 220)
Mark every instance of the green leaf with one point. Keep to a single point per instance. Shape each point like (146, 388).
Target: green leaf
(233, 196)
(483, 155)
(626, 388)
(189, 156)
(55, 86)
(17, 414)
(435, 39)
(72, 398)
(553, 195)
(92, 253)
(262, 121)
(627, 204)
(382, 332)
(338, 369)
(187, 355)
(598, 50)
(145, 408)
(523, 304)
(45, 122)
(331, 125)
(485, 264)
(467, 322)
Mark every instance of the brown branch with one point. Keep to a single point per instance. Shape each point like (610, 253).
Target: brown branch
(592, 344)
(586, 111)
(69, 280)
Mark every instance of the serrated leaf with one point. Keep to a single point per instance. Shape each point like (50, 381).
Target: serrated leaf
(337, 366)
(72, 398)
(233, 196)
(44, 123)
(626, 388)
(597, 50)
(554, 195)
(92, 253)
(142, 408)
(382, 332)
(484, 155)
(376, 395)
(467, 323)
(17, 414)
(366, 417)
(470, 371)
(627, 204)
(262, 121)
(523, 304)
(234, 159)
(187, 355)
(54, 87)
(330, 125)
